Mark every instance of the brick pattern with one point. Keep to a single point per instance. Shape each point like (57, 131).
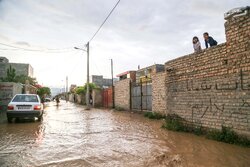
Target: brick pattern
(212, 88)
(159, 93)
(122, 94)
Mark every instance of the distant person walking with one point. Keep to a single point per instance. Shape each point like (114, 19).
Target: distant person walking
(57, 101)
(209, 40)
(196, 44)
(90, 99)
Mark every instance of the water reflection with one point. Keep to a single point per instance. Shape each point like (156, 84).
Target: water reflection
(17, 141)
(71, 136)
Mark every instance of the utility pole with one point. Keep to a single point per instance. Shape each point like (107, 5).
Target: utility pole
(62, 89)
(66, 89)
(113, 92)
(87, 94)
(67, 84)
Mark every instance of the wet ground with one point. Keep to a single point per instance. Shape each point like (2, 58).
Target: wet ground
(71, 136)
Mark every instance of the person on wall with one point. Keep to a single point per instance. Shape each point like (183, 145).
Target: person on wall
(196, 44)
(209, 40)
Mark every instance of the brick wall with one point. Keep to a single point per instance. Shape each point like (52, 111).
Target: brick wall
(159, 93)
(212, 88)
(122, 94)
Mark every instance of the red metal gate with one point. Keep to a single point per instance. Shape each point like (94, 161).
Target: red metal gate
(107, 98)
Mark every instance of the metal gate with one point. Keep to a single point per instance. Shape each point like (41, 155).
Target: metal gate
(141, 96)
(107, 98)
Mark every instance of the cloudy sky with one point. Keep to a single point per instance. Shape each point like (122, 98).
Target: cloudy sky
(139, 32)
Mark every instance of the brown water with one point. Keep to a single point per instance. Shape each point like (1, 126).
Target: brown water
(71, 136)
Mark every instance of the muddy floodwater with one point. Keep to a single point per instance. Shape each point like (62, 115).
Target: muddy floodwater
(70, 136)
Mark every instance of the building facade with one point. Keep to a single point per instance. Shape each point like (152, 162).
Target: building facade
(145, 74)
(127, 75)
(101, 82)
(21, 69)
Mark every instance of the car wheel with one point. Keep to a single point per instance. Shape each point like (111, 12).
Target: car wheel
(40, 117)
(9, 120)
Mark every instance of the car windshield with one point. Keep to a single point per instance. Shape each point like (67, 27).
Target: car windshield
(25, 98)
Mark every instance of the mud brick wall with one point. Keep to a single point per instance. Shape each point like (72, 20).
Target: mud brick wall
(159, 93)
(212, 88)
(122, 94)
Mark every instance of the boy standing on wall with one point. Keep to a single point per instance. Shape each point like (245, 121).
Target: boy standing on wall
(209, 40)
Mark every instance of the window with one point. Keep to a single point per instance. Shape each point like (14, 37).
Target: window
(25, 98)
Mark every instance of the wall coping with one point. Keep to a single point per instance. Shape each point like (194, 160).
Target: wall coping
(197, 54)
(124, 80)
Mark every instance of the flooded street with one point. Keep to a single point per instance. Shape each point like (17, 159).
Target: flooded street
(68, 135)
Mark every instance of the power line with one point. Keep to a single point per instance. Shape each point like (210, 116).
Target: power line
(17, 47)
(36, 50)
(105, 20)
(74, 68)
(15, 50)
(7, 49)
(61, 49)
(97, 67)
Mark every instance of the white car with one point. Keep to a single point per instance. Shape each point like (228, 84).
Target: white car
(25, 106)
(47, 99)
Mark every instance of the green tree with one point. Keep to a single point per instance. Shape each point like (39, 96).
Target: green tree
(83, 89)
(22, 79)
(43, 91)
(11, 75)
(80, 90)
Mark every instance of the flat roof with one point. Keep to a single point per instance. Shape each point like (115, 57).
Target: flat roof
(124, 73)
(149, 67)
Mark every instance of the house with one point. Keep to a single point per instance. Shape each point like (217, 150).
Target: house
(102, 82)
(145, 74)
(21, 68)
(127, 74)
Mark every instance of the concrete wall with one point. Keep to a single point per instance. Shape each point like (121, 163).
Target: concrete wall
(21, 69)
(212, 88)
(80, 99)
(8, 90)
(122, 94)
(75, 98)
(100, 81)
(97, 97)
(97, 79)
(29, 89)
(72, 97)
(4, 60)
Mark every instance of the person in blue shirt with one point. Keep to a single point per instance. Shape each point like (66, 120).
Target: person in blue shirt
(209, 40)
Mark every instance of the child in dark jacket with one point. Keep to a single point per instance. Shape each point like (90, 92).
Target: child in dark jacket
(209, 40)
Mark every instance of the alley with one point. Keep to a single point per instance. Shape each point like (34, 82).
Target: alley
(71, 136)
